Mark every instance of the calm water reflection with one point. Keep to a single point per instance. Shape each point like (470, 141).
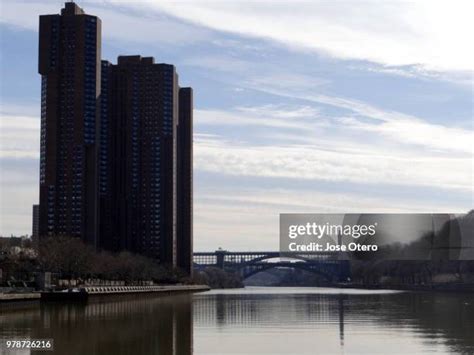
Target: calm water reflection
(254, 321)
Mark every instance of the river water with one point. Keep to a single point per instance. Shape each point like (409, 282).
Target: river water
(254, 320)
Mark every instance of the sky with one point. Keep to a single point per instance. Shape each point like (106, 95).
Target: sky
(300, 107)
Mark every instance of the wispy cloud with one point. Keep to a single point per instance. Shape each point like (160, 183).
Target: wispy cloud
(433, 34)
(118, 22)
(274, 116)
(416, 72)
(370, 122)
(363, 145)
(307, 162)
(273, 104)
(249, 218)
(19, 136)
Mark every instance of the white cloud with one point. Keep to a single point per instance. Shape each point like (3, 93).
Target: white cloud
(217, 62)
(417, 72)
(249, 218)
(19, 136)
(264, 116)
(362, 145)
(409, 38)
(310, 163)
(19, 151)
(118, 23)
(368, 145)
(414, 131)
(397, 126)
(15, 217)
(368, 121)
(434, 34)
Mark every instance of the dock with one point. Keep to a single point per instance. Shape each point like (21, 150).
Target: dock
(83, 293)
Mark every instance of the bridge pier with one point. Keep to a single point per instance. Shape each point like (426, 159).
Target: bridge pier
(220, 258)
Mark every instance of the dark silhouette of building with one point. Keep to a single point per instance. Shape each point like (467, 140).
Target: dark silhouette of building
(116, 158)
(185, 180)
(35, 223)
(69, 64)
(142, 99)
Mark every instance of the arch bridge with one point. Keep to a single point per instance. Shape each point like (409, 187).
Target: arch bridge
(328, 265)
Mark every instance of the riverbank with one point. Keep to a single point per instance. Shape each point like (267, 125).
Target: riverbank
(83, 293)
(448, 287)
(26, 296)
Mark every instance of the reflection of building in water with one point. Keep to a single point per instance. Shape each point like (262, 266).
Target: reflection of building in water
(143, 325)
(265, 310)
(163, 325)
(228, 309)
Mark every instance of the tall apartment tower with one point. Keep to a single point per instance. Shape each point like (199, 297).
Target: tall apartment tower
(116, 145)
(145, 183)
(69, 64)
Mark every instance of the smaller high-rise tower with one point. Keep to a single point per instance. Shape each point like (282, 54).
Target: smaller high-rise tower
(185, 181)
(138, 177)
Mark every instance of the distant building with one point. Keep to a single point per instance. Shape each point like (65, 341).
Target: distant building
(35, 223)
(116, 145)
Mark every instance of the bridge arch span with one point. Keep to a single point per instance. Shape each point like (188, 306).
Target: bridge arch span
(246, 264)
(270, 257)
(245, 273)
